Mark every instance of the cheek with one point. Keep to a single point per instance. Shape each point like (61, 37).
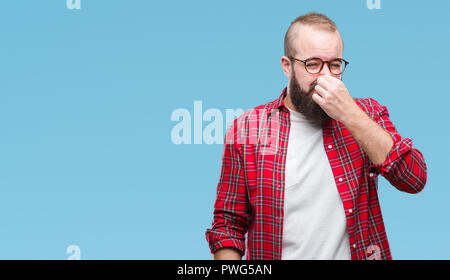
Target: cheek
(303, 77)
(306, 81)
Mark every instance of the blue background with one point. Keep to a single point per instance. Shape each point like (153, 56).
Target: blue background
(86, 96)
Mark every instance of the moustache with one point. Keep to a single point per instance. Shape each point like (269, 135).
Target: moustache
(312, 87)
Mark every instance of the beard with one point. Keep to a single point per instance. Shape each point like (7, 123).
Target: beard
(303, 102)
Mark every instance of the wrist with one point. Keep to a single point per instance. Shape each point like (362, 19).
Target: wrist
(354, 117)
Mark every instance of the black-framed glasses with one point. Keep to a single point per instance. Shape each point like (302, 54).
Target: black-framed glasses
(314, 65)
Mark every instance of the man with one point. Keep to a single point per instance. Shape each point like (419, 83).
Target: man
(312, 194)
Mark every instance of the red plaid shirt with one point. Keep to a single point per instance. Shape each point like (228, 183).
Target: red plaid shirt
(250, 192)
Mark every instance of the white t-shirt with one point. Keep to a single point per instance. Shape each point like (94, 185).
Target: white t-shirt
(314, 224)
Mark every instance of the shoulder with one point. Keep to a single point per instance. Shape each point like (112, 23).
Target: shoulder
(254, 118)
(372, 107)
(258, 112)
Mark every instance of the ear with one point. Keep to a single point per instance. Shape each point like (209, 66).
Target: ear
(286, 65)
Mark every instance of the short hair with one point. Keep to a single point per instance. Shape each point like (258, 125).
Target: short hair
(312, 19)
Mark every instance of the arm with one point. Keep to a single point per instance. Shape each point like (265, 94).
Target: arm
(393, 156)
(373, 139)
(227, 254)
(395, 159)
(231, 208)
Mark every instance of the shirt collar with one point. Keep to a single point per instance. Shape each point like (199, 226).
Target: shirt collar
(279, 102)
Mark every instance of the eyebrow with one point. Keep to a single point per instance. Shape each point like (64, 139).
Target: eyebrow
(335, 58)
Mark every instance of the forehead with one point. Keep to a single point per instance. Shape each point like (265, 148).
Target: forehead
(311, 41)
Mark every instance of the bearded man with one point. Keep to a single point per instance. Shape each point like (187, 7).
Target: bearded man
(314, 196)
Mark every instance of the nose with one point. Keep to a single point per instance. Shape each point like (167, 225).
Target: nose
(325, 70)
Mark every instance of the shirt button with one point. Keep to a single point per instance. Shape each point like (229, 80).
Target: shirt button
(354, 245)
(329, 146)
(350, 210)
(340, 179)
(371, 174)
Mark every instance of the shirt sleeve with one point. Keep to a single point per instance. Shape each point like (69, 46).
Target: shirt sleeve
(404, 167)
(231, 208)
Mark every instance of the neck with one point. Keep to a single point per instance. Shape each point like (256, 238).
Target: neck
(288, 102)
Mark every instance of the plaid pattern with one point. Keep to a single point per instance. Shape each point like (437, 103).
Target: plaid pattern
(250, 192)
